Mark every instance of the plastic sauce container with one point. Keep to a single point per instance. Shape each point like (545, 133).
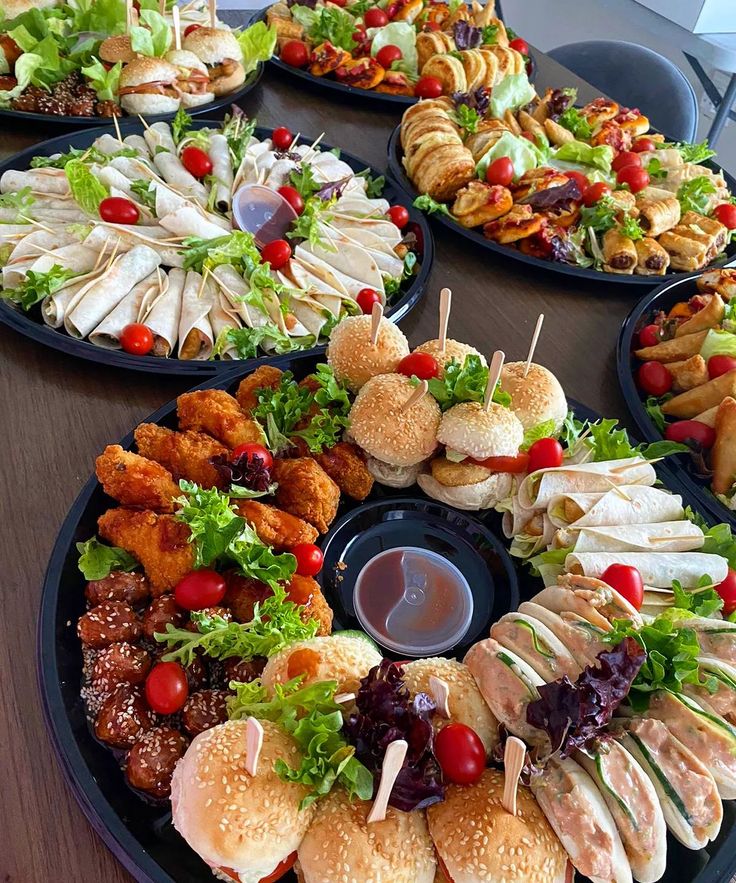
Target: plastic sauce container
(413, 601)
(262, 212)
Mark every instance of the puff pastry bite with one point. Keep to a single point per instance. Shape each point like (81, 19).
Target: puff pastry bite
(600, 111)
(449, 71)
(519, 223)
(474, 65)
(722, 282)
(479, 203)
(688, 374)
(431, 43)
(619, 253)
(657, 216)
(652, 259)
(450, 170)
(723, 457)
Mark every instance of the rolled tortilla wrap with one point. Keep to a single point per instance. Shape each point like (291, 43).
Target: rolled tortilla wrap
(108, 144)
(36, 241)
(222, 317)
(134, 168)
(657, 569)
(187, 221)
(113, 177)
(75, 257)
(159, 135)
(55, 307)
(313, 258)
(107, 334)
(10, 234)
(636, 504)
(667, 536)
(173, 172)
(43, 181)
(353, 262)
(106, 292)
(310, 276)
(541, 486)
(195, 330)
(164, 315)
(138, 142)
(236, 289)
(119, 238)
(222, 171)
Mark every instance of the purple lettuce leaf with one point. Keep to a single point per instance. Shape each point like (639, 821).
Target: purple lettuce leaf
(466, 36)
(247, 470)
(333, 188)
(557, 199)
(479, 99)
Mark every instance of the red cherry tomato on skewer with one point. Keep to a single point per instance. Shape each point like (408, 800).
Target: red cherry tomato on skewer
(281, 138)
(500, 171)
(520, 45)
(421, 365)
(166, 687)
(293, 197)
(428, 87)
(649, 335)
(545, 453)
(118, 210)
(136, 339)
(190, 29)
(654, 378)
(387, 55)
(200, 589)
(460, 753)
(626, 158)
(727, 591)
(399, 215)
(643, 145)
(718, 365)
(253, 451)
(596, 192)
(636, 177)
(366, 298)
(687, 431)
(375, 18)
(196, 161)
(309, 559)
(627, 581)
(726, 214)
(295, 53)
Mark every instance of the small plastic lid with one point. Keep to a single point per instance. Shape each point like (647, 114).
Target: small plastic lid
(262, 212)
(419, 605)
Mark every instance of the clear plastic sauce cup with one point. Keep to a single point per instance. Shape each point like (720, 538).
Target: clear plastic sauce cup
(262, 212)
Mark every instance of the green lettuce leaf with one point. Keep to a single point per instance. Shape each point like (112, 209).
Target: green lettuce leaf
(425, 203)
(513, 92)
(694, 195)
(327, 24)
(576, 123)
(154, 39)
(547, 429)
(718, 343)
(86, 189)
(37, 286)
(25, 68)
(257, 43)
(522, 153)
(97, 561)
(401, 34)
(104, 82)
(599, 157)
(464, 383)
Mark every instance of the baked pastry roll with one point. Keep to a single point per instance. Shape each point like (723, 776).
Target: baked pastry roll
(506, 62)
(689, 404)
(723, 456)
(450, 170)
(423, 152)
(474, 65)
(706, 230)
(656, 216)
(626, 201)
(600, 111)
(481, 141)
(431, 124)
(710, 316)
(479, 203)
(688, 374)
(519, 223)
(685, 252)
(529, 124)
(449, 71)
(649, 194)
(721, 281)
(652, 259)
(556, 133)
(431, 43)
(674, 349)
(491, 66)
(619, 253)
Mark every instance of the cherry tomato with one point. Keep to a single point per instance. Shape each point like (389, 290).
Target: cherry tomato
(649, 335)
(366, 298)
(596, 192)
(545, 454)
(687, 431)
(460, 753)
(118, 210)
(529, 137)
(431, 26)
(196, 161)
(626, 158)
(654, 378)
(627, 581)
(500, 171)
(286, 865)
(387, 55)
(136, 339)
(166, 687)
(391, 11)
(718, 365)
(636, 177)
(580, 179)
(421, 365)
(643, 145)
(190, 29)
(309, 559)
(726, 214)
(515, 465)
(293, 197)
(295, 53)
(428, 87)
(520, 45)
(281, 138)
(253, 451)
(277, 253)
(375, 18)
(339, 2)
(200, 589)
(399, 216)
(727, 591)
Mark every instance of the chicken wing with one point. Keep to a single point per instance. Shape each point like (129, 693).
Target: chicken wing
(135, 481)
(218, 413)
(307, 491)
(242, 595)
(346, 466)
(265, 377)
(184, 454)
(159, 542)
(274, 527)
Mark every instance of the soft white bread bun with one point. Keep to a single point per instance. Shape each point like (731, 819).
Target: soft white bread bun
(465, 702)
(117, 48)
(190, 100)
(213, 45)
(354, 359)
(536, 398)
(185, 60)
(149, 105)
(148, 70)
(470, 429)
(386, 430)
(479, 842)
(453, 350)
(470, 497)
(393, 476)
(338, 658)
(248, 824)
(341, 845)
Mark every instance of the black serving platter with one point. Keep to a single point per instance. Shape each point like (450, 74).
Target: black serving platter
(32, 325)
(663, 298)
(76, 122)
(350, 93)
(401, 179)
(139, 833)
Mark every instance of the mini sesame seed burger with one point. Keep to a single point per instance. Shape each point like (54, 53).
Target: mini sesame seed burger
(472, 436)
(478, 841)
(453, 349)
(340, 658)
(148, 86)
(397, 439)
(193, 79)
(536, 398)
(342, 845)
(354, 358)
(221, 53)
(117, 48)
(243, 826)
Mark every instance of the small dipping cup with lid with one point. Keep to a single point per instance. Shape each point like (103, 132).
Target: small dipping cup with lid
(262, 212)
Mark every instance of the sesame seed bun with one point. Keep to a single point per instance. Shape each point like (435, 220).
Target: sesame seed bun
(536, 398)
(341, 845)
(140, 72)
(453, 350)
(385, 431)
(470, 497)
(355, 360)
(117, 48)
(185, 60)
(247, 824)
(478, 841)
(213, 45)
(331, 658)
(471, 430)
(467, 705)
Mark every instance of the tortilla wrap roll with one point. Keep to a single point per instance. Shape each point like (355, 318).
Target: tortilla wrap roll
(667, 536)
(351, 266)
(308, 274)
(236, 289)
(635, 504)
(134, 168)
(137, 142)
(536, 536)
(385, 258)
(657, 569)
(164, 314)
(107, 334)
(195, 330)
(43, 181)
(723, 700)
(33, 245)
(112, 177)
(222, 171)
(541, 486)
(187, 221)
(108, 290)
(108, 144)
(584, 641)
(55, 307)
(159, 135)
(222, 318)
(10, 234)
(309, 314)
(173, 172)
(537, 645)
(119, 238)
(592, 599)
(723, 455)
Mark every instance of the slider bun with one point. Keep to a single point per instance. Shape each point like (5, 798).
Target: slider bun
(118, 48)
(213, 45)
(189, 100)
(248, 824)
(224, 85)
(393, 476)
(185, 59)
(341, 845)
(149, 105)
(477, 840)
(148, 70)
(453, 350)
(536, 398)
(471, 430)
(355, 360)
(471, 497)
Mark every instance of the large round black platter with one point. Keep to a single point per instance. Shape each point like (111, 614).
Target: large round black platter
(349, 93)
(78, 122)
(663, 298)
(400, 178)
(32, 325)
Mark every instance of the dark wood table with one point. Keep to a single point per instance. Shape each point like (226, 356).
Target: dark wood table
(60, 413)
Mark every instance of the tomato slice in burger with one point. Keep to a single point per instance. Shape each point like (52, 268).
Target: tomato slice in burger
(286, 865)
(517, 464)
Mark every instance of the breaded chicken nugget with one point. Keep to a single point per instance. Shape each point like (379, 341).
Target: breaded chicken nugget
(135, 481)
(307, 491)
(275, 527)
(184, 454)
(242, 595)
(265, 377)
(216, 412)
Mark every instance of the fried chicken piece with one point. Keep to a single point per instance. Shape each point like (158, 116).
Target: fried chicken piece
(345, 464)
(135, 481)
(307, 491)
(264, 377)
(159, 542)
(216, 412)
(242, 595)
(184, 454)
(274, 527)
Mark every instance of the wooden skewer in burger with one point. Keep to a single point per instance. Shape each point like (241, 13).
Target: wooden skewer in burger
(442, 348)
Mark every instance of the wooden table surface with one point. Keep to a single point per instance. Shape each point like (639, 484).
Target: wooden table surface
(60, 413)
